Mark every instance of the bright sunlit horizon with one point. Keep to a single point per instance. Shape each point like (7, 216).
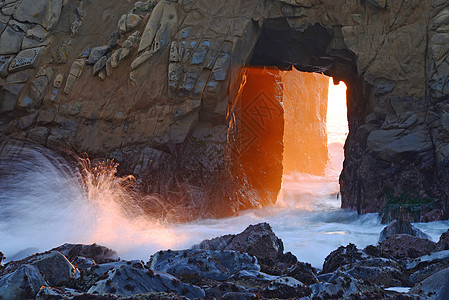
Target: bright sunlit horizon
(337, 120)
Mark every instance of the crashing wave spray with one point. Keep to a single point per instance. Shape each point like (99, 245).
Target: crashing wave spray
(46, 201)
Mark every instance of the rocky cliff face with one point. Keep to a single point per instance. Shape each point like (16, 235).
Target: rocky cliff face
(155, 85)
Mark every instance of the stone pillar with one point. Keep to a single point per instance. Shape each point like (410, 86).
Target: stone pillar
(256, 143)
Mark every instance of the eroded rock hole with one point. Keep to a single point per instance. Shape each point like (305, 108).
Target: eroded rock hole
(279, 126)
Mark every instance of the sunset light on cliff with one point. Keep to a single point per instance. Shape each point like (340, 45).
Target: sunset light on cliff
(337, 122)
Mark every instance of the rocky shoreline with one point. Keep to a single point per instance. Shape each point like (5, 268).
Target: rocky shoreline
(249, 265)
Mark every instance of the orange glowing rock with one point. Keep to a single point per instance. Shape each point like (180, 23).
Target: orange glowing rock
(305, 137)
(257, 146)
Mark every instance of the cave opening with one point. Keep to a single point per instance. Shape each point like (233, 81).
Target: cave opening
(288, 122)
(286, 66)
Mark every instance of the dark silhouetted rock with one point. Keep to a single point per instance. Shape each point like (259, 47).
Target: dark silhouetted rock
(433, 215)
(56, 293)
(341, 286)
(2, 257)
(97, 272)
(219, 290)
(83, 263)
(258, 240)
(285, 288)
(400, 226)
(128, 280)
(304, 272)
(252, 279)
(100, 254)
(342, 256)
(443, 243)
(239, 296)
(216, 265)
(382, 276)
(406, 246)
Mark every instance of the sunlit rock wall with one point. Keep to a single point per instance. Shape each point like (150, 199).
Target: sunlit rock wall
(305, 133)
(152, 84)
(256, 138)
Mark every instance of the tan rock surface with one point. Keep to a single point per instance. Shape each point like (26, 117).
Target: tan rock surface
(393, 55)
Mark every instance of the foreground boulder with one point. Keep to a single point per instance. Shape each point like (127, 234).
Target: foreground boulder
(367, 266)
(425, 266)
(100, 254)
(220, 290)
(215, 265)
(348, 273)
(342, 256)
(406, 246)
(54, 267)
(304, 272)
(128, 280)
(285, 288)
(400, 226)
(23, 283)
(443, 242)
(258, 240)
(434, 287)
(342, 286)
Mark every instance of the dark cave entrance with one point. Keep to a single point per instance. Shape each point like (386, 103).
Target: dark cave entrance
(257, 115)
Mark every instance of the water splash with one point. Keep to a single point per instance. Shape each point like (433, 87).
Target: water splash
(46, 201)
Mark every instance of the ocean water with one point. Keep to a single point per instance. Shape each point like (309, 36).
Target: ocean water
(45, 202)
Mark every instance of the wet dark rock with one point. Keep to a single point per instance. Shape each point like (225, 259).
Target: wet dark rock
(406, 246)
(258, 240)
(374, 251)
(434, 287)
(348, 272)
(342, 285)
(2, 257)
(400, 226)
(284, 288)
(239, 296)
(216, 265)
(54, 267)
(384, 276)
(57, 293)
(219, 290)
(304, 272)
(132, 279)
(83, 263)
(23, 283)
(425, 266)
(47, 293)
(97, 272)
(367, 268)
(443, 243)
(251, 279)
(100, 254)
(342, 256)
(433, 215)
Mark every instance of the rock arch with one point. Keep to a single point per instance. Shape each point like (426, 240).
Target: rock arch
(167, 73)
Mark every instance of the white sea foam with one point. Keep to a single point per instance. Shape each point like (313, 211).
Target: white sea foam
(44, 203)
